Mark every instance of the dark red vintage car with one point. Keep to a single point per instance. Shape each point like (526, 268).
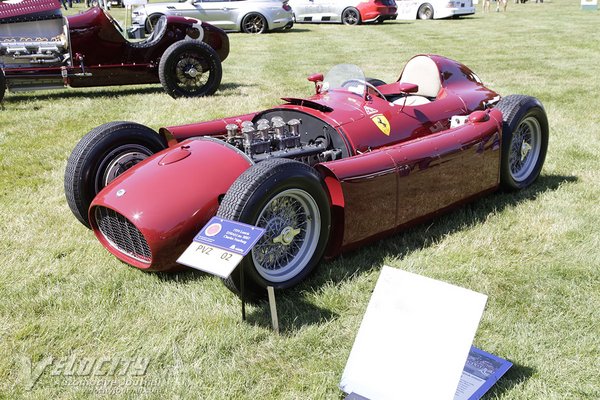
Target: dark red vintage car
(41, 49)
(357, 160)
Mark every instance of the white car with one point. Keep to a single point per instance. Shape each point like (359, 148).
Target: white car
(249, 16)
(434, 9)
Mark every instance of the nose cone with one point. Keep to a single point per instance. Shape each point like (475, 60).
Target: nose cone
(150, 214)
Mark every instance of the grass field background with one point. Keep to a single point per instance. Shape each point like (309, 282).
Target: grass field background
(536, 253)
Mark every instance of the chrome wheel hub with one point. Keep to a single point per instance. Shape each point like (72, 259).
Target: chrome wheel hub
(286, 237)
(193, 72)
(189, 72)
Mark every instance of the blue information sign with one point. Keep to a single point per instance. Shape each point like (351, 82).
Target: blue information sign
(232, 236)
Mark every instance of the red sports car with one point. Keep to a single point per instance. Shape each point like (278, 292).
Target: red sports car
(349, 12)
(40, 49)
(357, 160)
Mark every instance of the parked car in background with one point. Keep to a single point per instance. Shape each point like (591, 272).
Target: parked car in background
(41, 49)
(248, 16)
(434, 9)
(349, 12)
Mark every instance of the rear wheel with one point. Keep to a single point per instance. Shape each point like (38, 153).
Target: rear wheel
(524, 140)
(351, 16)
(288, 200)
(102, 155)
(254, 23)
(425, 11)
(190, 68)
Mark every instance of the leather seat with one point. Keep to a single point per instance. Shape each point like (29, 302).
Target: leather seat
(422, 71)
(157, 34)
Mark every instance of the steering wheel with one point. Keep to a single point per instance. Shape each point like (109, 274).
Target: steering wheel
(367, 84)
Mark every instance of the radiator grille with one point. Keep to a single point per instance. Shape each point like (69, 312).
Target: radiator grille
(122, 234)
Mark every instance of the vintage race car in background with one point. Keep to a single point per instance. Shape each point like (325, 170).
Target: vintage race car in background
(357, 160)
(40, 49)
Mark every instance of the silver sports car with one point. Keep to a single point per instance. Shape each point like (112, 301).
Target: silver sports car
(249, 16)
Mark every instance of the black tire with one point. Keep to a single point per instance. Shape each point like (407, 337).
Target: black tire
(375, 82)
(100, 156)
(297, 193)
(351, 16)
(254, 23)
(2, 85)
(190, 68)
(524, 140)
(425, 11)
(151, 22)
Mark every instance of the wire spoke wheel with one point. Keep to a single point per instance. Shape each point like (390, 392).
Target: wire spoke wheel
(525, 149)
(289, 201)
(524, 140)
(190, 68)
(291, 220)
(191, 72)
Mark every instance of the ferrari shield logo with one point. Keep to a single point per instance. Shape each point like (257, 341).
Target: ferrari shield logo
(382, 123)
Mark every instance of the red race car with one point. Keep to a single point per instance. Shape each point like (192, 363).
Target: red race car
(358, 160)
(40, 49)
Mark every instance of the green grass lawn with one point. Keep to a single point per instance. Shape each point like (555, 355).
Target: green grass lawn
(536, 253)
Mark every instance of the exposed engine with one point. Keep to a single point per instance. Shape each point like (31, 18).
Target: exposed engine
(277, 138)
(37, 42)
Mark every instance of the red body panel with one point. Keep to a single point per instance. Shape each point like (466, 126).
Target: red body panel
(169, 221)
(110, 58)
(415, 179)
(376, 10)
(386, 180)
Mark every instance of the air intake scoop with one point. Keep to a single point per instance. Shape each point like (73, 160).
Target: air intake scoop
(175, 155)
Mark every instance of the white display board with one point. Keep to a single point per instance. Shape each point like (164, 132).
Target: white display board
(590, 5)
(413, 340)
(128, 3)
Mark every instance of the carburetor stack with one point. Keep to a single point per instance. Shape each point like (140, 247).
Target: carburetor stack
(275, 138)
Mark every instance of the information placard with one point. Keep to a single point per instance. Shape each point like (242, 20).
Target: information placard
(220, 246)
(413, 340)
(482, 370)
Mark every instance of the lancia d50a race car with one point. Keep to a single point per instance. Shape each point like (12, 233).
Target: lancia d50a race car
(358, 160)
(41, 49)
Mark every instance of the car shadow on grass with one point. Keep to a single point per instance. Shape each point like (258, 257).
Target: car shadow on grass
(399, 245)
(293, 313)
(296, 311)
(293, 310)
(93, 93)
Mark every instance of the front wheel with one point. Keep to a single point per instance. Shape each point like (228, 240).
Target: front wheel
(351, 16)
(425, 11)
(254, 23)
(288, 199)
(524, 140)
(100, 156)
(190, 68)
